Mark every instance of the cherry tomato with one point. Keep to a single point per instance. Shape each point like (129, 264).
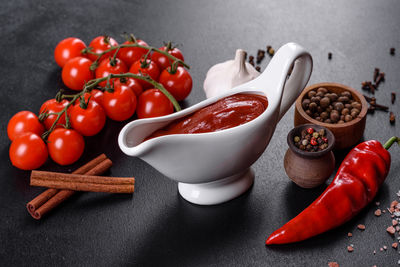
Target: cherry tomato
(163, 61)
(178, 84)
(87, 121)
(23, 122)
(109, 66)
(96, 95)
(153, 103)
(150, 68)
(65, 146)
(131, 83)
(131, 54)
(101, 44)
(28, 151)
(76, 73)
(68, 49)
(119, 105)
(52, 106)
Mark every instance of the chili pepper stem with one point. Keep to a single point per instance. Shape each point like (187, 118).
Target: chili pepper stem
(390, 142)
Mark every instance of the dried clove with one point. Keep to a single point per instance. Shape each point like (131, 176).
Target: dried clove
(379, 107)
(260, 55)
(392, 50)
(369, 99)
(270, 51)
(380, 78)
(372, 87)
(251, 60)
(376, 73)
(329, 55)
(393, 97)
(371, 110)
(369, 86)
(366, 85)
(392, 118)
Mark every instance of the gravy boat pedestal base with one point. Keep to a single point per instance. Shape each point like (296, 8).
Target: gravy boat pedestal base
(219, 191)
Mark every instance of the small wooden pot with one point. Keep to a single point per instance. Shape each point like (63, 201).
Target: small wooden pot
(346, 134)
(309, 169)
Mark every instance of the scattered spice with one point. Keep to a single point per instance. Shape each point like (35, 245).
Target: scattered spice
(270, 51)
(361, 226)
(378, 78)
(251, 60)
(349, 234)
(394, 203)
(51, 198)
(333, 264)
(82, 182)
(376, 73)
(375, 106)
(329, 55)
(391, 230)
(260, 55)
(392, 51)
(378, 212)
(380, 107)
(395, 245)
(392, 118)
(393, 97)
(350, 249)
(381, 77)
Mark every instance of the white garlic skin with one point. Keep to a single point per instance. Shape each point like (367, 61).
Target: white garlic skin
(225, 76)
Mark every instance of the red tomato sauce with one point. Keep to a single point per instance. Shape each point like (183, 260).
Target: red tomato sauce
(226, 113)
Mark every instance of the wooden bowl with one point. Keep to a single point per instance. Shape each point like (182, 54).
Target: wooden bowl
(309, 169)
(346, 134)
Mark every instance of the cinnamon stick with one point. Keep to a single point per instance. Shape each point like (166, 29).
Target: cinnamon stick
(80, 182)
(51, 198)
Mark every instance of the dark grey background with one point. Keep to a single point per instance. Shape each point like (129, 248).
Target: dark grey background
(155, 226)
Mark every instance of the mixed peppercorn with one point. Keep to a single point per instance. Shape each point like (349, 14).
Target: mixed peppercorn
(311, 140)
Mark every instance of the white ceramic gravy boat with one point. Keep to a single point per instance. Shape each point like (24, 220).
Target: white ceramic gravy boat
(212, 168)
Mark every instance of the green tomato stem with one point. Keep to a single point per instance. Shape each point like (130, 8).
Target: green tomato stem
(112, 48)
(93, 83)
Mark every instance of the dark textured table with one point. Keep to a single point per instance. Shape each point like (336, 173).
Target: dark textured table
(155, 226)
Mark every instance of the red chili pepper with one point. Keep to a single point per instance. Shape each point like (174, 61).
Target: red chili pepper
(310, 130)
(356, 183)
(313, 141)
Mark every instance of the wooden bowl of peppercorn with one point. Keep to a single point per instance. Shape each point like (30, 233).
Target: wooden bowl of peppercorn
(348, 131)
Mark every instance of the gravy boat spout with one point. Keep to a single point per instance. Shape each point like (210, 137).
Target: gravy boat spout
(214, 167)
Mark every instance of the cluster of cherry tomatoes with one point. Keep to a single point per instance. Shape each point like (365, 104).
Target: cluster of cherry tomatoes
(64, 120)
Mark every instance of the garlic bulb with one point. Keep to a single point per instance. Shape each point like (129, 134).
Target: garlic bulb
(225, 76)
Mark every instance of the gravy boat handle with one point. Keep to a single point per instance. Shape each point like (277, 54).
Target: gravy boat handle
(285, 77)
